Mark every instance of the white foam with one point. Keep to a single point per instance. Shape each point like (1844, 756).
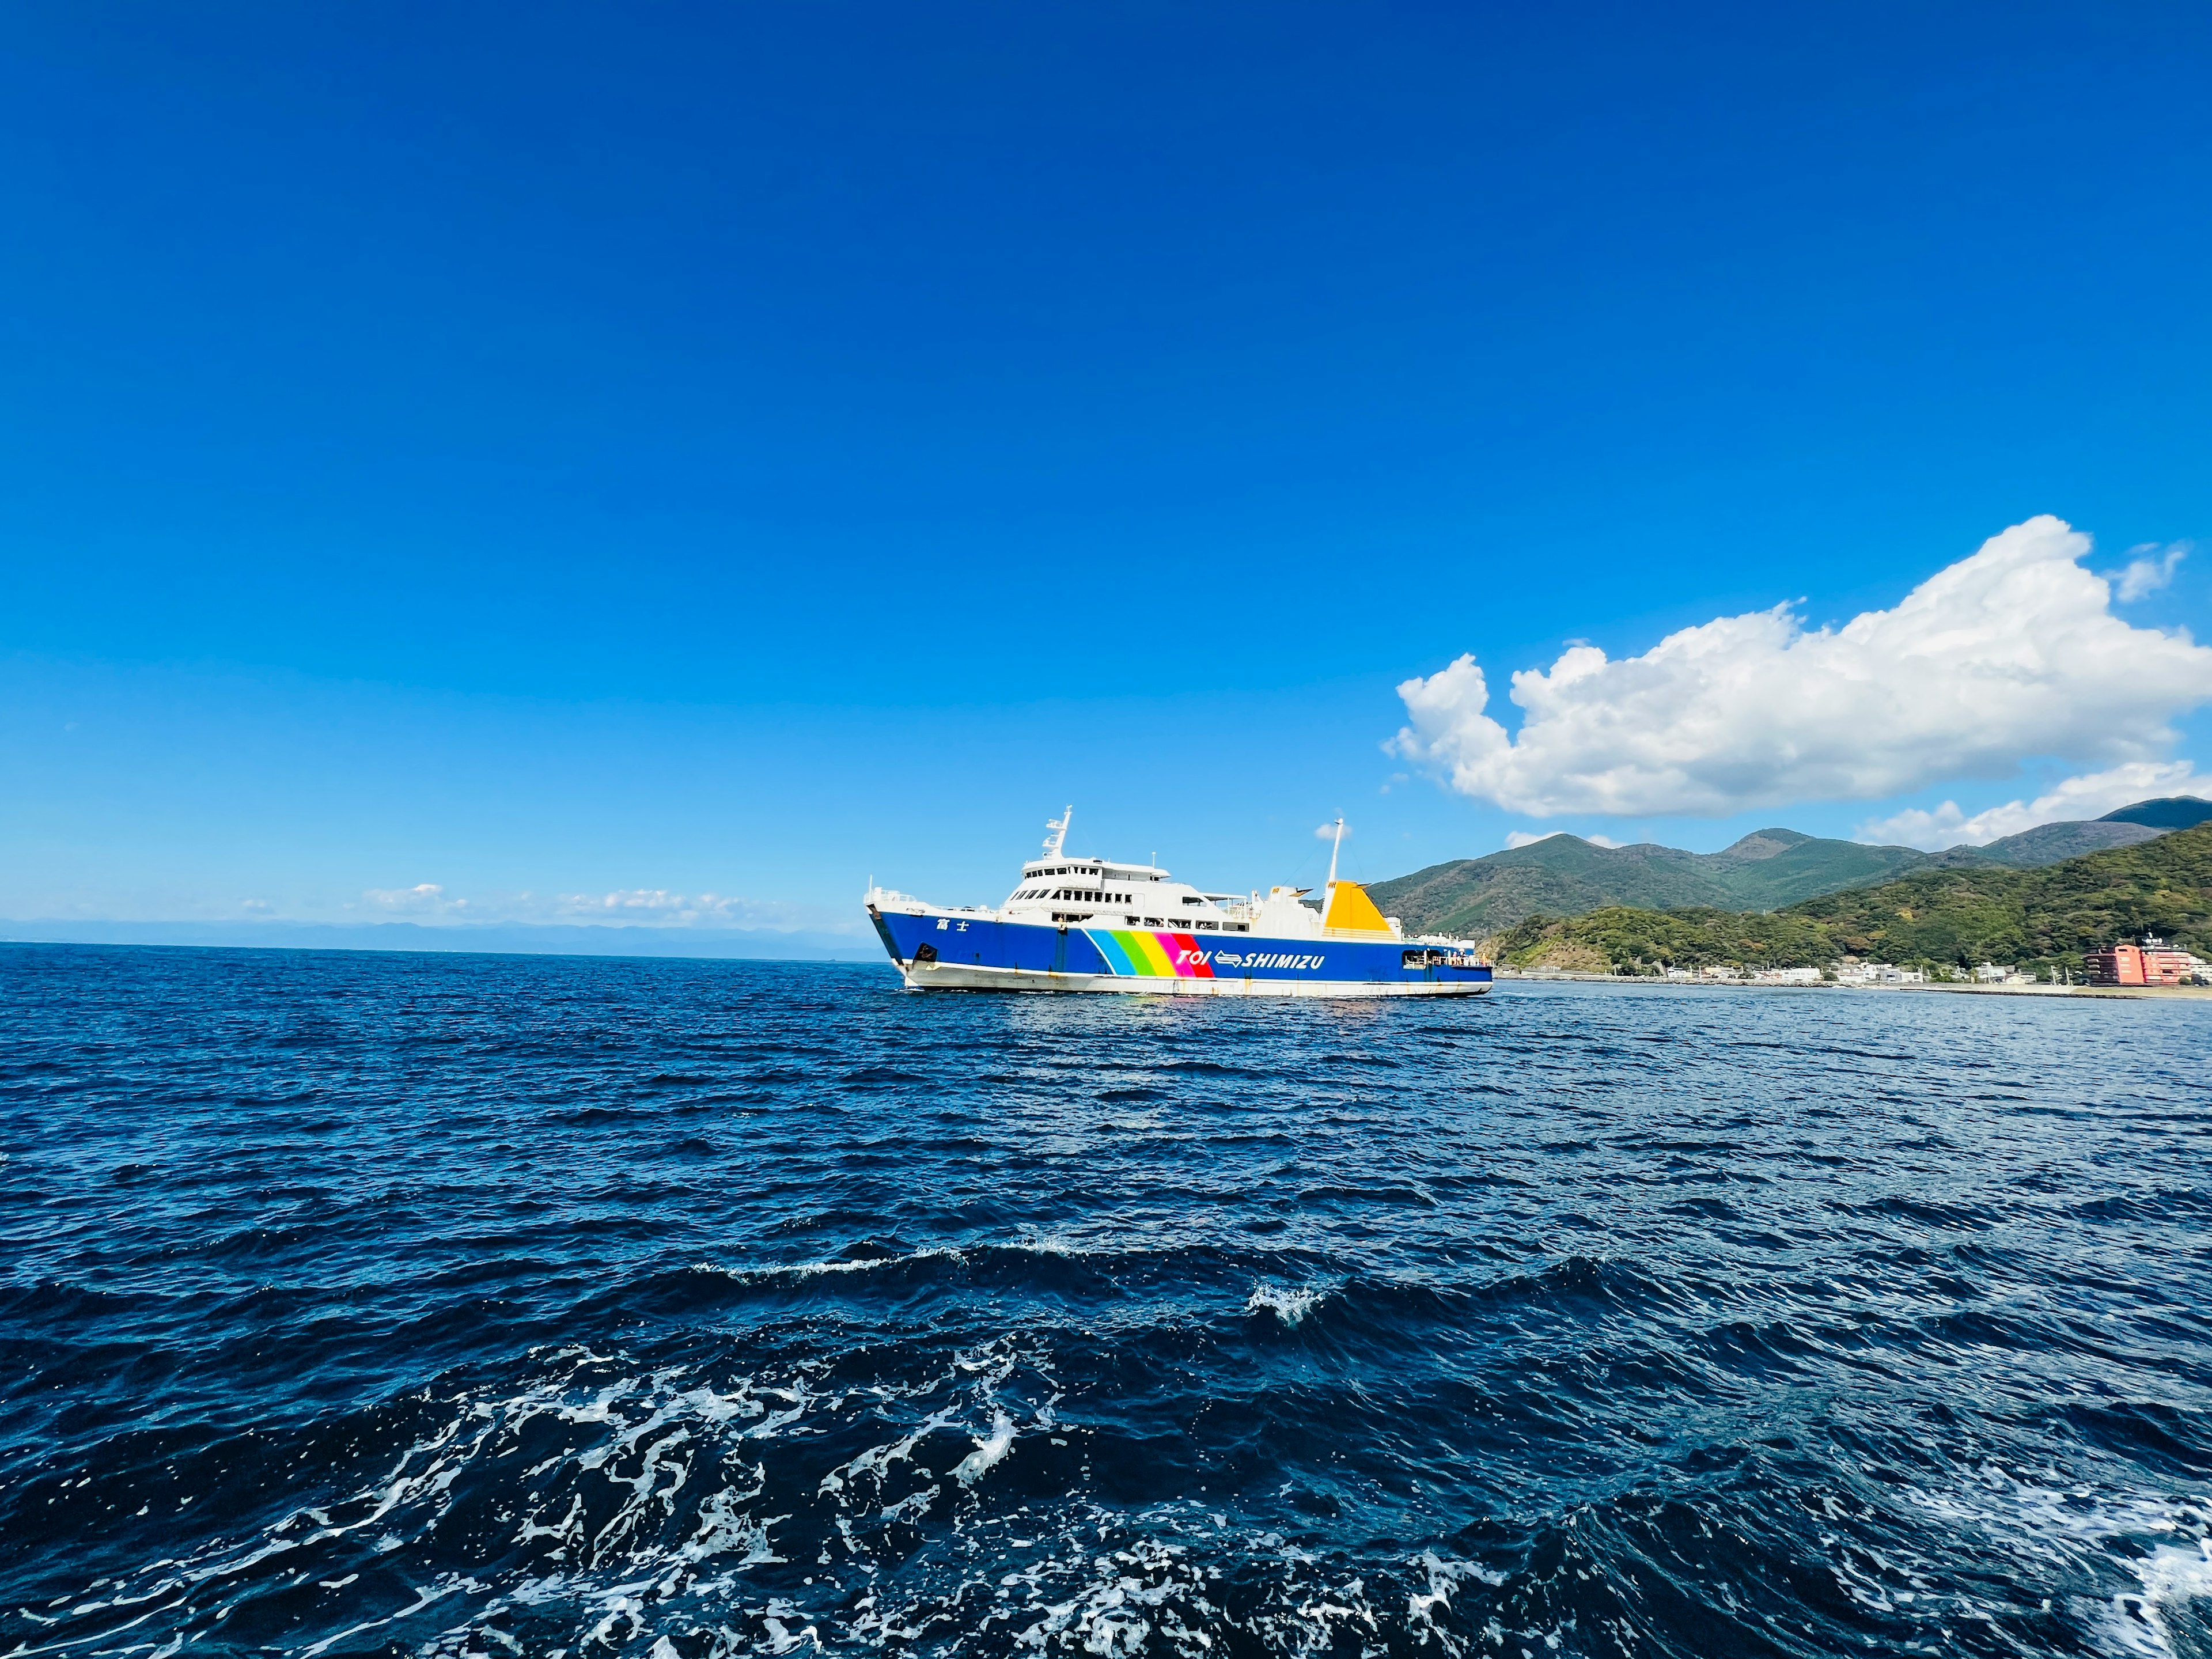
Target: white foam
(863, 1265)
(637, 1515)
(1289, 1306)
(2062, 1532)
(877, 1459)
(990, 1450)
(911, 1508)
(2171, 1576)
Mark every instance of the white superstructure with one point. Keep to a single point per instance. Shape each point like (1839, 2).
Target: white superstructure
(1056, 890)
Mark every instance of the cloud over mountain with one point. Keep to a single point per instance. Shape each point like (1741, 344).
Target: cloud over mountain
(2090, 796)
(2010, 654)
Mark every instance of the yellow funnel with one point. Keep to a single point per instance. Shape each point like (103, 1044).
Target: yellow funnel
(1350, 911)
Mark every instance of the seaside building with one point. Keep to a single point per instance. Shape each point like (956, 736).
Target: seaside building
(1877, 973)
(2151, 962)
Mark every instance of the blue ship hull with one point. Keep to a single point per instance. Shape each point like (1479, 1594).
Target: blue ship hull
(939, 951)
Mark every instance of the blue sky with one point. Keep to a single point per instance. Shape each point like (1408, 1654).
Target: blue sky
(694, 450)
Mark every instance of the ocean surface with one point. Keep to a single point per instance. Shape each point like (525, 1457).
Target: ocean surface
(499, 1306)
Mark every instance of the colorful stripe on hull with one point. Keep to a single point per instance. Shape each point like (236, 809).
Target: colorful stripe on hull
(1150, 954)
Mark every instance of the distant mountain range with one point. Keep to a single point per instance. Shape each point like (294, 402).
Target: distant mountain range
(1565, 876)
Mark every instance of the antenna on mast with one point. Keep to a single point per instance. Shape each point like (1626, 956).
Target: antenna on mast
(1057, 828)
(1329, 893)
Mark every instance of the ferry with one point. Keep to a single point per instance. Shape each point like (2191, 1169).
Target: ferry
(1084, 924)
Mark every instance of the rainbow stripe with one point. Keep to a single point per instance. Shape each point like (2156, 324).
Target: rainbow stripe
(1145, 954)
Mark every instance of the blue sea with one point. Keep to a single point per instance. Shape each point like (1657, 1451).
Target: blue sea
(360, 1303)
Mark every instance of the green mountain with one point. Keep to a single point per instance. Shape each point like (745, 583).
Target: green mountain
(2050, 843)
(1564, 875)
(2170, 812)
(1958, 915)
(1767, 870)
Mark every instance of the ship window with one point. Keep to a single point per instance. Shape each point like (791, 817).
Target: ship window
(1238, 927)
(1128, 921)
(1212, 927)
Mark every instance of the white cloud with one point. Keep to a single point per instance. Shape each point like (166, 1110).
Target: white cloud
(1327, 831)
(425, 898)
(2149, 568)
(2087, 797)
(2010, 654)
(652, 906)
(657, 906)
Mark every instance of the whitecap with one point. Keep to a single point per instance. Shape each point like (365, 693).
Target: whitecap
(2172, 1576)
(1290, 1306)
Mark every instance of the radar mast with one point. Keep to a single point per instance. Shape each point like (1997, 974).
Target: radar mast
(1056, 838)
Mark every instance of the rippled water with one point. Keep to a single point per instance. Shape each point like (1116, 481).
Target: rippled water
(476, 1305)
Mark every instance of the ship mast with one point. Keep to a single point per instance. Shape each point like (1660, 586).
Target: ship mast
(1057, 837)
(1329, 893)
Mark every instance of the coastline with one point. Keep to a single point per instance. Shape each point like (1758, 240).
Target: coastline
(2156, 993)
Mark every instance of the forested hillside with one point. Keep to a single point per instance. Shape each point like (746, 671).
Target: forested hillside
(1944, 917)
(1564, 875)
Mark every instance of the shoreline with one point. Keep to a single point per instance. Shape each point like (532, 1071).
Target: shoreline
(1564, 975)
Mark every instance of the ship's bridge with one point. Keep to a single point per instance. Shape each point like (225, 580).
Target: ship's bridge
(1057, 889)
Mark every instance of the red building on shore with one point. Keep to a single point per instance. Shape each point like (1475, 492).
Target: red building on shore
(2150, 963)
